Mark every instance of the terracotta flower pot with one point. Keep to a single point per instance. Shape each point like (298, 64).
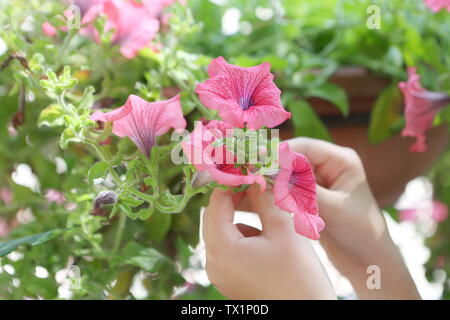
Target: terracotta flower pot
(389, 164)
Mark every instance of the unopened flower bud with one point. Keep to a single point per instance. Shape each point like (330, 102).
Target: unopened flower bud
(105, 198)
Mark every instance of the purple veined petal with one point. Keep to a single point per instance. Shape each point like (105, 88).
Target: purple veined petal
(143, 121)
(243, 96)
(295, 192)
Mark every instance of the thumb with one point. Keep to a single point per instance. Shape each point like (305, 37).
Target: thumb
(273, 219)
(328, 201)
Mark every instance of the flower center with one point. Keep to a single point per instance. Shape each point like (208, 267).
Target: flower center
(295, 179)
(246, 102)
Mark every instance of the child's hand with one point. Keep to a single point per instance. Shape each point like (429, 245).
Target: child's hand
(274, 264)
(355, 235)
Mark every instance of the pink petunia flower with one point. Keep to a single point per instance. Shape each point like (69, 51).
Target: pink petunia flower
(295, 192)
(217, 161)
(437, 5)
(142, 121)
(421, 106)
(49, 30)
(133, 26)
(55, 196)
(243, 96)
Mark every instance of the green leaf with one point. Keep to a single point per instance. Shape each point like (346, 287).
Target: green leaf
(9, 246)
(184, 252)
(332, 93)
(146, 213)
(68, 135)
(171, 199)
(87, 100)
(159, 225)
(125, 208)
(52, 116)
(130, 200)
(98, 170)
(385, 113)
(306, 122)
(148, 259)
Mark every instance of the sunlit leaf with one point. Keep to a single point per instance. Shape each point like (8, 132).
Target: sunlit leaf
(34, 240)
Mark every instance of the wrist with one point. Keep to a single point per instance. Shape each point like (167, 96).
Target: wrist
(384, 275)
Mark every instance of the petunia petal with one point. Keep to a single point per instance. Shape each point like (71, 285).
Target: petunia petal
(421, 107)
(218, 162)
(243, 96)
(295, 191)
(133, 26)
(112, 115)
(308, 225)
(142, 121)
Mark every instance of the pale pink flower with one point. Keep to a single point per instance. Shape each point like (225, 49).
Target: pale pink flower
(133, 26)
(217, 161)
(437, 5)
(55, 196)
(70, 206)
(436, 210)
(295, 192)
(6, 196)
(407, 215)
(49, 30)
(421, 106)
(143, 121)
(440, 211)
(155, 7)
(4, 228)
(243, 96)
(84, 5)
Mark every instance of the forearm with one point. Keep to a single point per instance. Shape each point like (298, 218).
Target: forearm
(312, 281)
(394, 280)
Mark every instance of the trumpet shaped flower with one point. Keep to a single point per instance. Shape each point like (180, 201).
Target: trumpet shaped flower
(216, 160)
(132, 25)
(295, 192)
(243, 96)
(421, 107)
(143, 121)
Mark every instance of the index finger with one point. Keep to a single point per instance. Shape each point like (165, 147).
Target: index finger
(331, 162)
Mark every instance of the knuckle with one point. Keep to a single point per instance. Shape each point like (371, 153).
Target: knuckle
(353, 157)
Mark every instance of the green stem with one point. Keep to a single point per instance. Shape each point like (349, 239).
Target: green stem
(143, 196)
(205, 111)
(103, 158)
(65, 45)
(119, 232)
(68, 109)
